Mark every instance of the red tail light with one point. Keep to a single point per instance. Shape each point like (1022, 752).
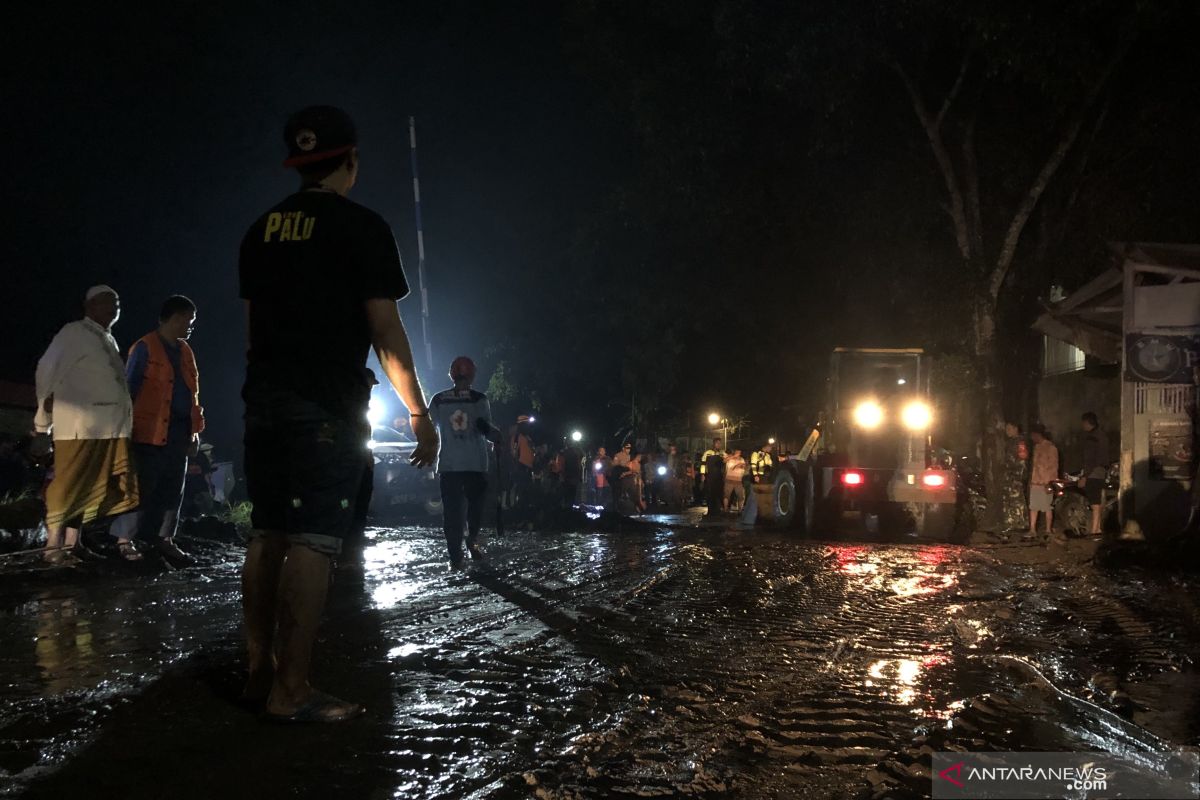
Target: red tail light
(852, 478)
(933, 480)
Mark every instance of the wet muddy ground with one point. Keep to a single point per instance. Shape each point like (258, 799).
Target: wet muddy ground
(701, 662)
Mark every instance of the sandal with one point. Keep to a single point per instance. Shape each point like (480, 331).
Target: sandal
(61, 558)
(320, 707)
(128, 551)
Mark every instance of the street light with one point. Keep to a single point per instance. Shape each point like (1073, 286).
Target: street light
(577, 436)
(716, 419)
(771, 440)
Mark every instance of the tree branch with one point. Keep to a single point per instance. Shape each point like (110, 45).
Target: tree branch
(1012, 237)
(953, 93)
(971, 168)
(1081, 169)
(942, 156)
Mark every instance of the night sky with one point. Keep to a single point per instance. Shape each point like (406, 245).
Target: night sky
(732, 192)
(143, 145)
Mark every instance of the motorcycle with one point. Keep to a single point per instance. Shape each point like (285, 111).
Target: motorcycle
(1072, 511)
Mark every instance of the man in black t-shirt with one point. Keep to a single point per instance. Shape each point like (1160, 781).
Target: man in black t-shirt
(320, 276)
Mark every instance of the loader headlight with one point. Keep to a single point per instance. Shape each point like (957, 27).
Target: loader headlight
(916, 416)
(868, 414)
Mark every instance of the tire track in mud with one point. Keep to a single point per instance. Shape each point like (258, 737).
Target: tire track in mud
(754, 665)
(489, 677)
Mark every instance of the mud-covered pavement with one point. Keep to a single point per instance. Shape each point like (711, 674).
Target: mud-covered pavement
(658, 662)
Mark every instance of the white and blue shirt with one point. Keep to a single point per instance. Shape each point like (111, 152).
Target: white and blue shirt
(463, 445)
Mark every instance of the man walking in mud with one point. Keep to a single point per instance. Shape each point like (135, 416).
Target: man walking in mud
(320, 275)
(464, 421)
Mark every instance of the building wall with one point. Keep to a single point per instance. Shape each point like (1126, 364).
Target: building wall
(1062, 399)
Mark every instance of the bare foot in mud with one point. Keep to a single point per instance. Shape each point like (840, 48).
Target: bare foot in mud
(316, 707)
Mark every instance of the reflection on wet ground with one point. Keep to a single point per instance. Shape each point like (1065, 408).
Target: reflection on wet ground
(687, 662)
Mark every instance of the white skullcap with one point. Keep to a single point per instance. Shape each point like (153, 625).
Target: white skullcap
(100, 289)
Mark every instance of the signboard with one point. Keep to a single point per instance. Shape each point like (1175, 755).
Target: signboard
(1160, 358)
(1171, 449)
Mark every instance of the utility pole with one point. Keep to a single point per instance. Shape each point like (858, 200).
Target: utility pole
(412, 144)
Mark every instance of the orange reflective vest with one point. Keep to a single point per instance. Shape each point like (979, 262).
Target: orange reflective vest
(152, 408)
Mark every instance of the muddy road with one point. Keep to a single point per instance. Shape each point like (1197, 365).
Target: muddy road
(659, 662)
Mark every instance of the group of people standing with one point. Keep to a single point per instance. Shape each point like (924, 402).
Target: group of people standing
(122, 431)
(725, 480)
(1029, 475)
(639, 481)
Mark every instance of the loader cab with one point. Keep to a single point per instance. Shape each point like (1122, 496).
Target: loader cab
(877, 467)
(878, 411)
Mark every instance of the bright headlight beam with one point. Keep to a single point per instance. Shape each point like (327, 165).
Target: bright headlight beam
(868, 414)
(916, 416)
(376, 411)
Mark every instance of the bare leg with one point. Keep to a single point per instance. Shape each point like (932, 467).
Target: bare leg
(260, 592)
(303, 585)
(70, 538)
(1050, 521)
(1032, 521)
(1096, 518)
(54, 543)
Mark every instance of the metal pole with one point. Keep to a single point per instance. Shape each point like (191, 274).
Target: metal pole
(412, 143)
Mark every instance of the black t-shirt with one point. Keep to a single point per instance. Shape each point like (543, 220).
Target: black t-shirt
(307, 267)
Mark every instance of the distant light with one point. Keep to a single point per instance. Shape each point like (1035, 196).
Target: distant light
(376, 411)
(771, 440)
(901, 382)
(714, 418)
(599, 466)
(533, 419)
(662, 471)
(576, 436)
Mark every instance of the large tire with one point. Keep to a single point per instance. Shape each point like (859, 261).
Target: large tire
(781, 503)
(804, 519)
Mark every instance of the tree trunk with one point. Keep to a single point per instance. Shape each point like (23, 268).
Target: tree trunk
(991, 407)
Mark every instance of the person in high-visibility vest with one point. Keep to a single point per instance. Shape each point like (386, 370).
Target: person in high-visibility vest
(761, 462)
(715, 450)
(712, 472)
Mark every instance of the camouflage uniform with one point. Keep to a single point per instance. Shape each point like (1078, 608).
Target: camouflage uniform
(1016, 506)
